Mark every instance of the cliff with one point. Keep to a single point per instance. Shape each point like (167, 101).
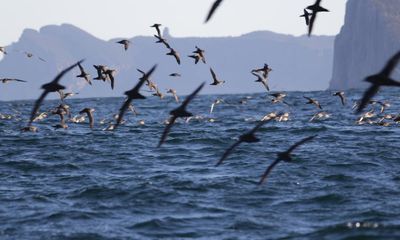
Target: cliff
(369, 37)
(299, 63)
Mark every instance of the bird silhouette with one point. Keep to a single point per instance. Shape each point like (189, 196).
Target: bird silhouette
(380, 79)
(284, 156)
(52, 86)
(315, 8)
(133, 94)
(212, 10)
(179, 112)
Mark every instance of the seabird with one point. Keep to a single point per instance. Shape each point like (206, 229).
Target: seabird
(319, 116)
(52, 86)
(306, 16)
(7, 80)
(215, 79)
(217, 101)
(175, 75)
(196, 57)
(262, 80)
(110, 75)
(124, 42)
(100, 72)
(158, 94)
(248, 137)
(279, 97)
(174, 53)
(342, 97)
(380, 79)
(265, 70)
(133, 94)
(173, 92)
(284, 156)
(212, 10)
(179, 112)
(89, 112)
(313, 101)
(84, 75)
(200, 53)
(315, 8)
(65, 95)
(157, 27)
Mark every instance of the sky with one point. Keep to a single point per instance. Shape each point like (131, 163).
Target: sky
(108, 19)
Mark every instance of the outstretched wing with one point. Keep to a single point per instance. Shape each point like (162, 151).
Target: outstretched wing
(228, 152)
(367, 97)
(167, 130)
(191, 96)
(212, 10)
(36, 106)
(391, 65)
(267, 172)
(300, 143)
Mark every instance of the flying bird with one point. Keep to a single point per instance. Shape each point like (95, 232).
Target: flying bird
(65, 95)
(313, 101)
(173, 92)
(315, 8)
(52, 86)
(175, 75)
(162, 40)
(265, 70)
(100, 72)
(133, 94)
(196, 57)
(110, 75)
(279, 97)
(215, 79)
(212, 10)
(3, 50)
(200, 53)
(248, 137)
(89, 112)
(341, 96)
(179, 112)
(125, 42)
(84, 74)
(380, 79)
(284, 156)
(7, 80)
(175, 54)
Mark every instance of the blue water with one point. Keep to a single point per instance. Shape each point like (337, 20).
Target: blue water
(84, 184)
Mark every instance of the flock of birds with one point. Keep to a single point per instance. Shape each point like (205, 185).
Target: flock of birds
(262, 74)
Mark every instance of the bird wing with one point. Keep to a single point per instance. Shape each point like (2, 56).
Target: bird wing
(36, 106)
(167, 130)
(18, 80)
(367, 96)
(260, 124)
(269, 169)
(191, 96)
(342, 99)
(81, 68)
(112, 80)
(309, 99)
(212, 107)
(63, 72)
(300, 143)
(311, 25)
(91, 119)
(391, 65)
(176, 55)
(212, 10)
(145, 77)
(176, 97)
(228, 152)
(214, 76)
(122, 111)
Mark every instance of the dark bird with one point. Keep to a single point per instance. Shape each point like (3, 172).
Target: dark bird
(84, 74)
(262, 80)
(215, 79)
(175, 54)
(179, 112)
(89, 112)
(315, 8)
(200, 53)
(284, 156)
(265, 70)
(380, 79)
(133, 94)
(342, 97)
(313, 101)
(158, 93)
(125, 42)
(212, 10)
(278, 98)
(175, 75)
(157, 27)
(162, 40)
(248, 137)
(7, 80)
(52, 86)
(306, 16)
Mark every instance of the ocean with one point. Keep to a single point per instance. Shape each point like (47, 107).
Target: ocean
(79, 183)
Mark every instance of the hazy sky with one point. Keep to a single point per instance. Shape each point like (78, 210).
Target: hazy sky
(108, 19)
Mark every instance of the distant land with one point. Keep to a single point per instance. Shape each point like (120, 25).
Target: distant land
(369, 37)
(298, 63)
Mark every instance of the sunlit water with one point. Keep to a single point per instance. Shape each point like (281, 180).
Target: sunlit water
(84, 184)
